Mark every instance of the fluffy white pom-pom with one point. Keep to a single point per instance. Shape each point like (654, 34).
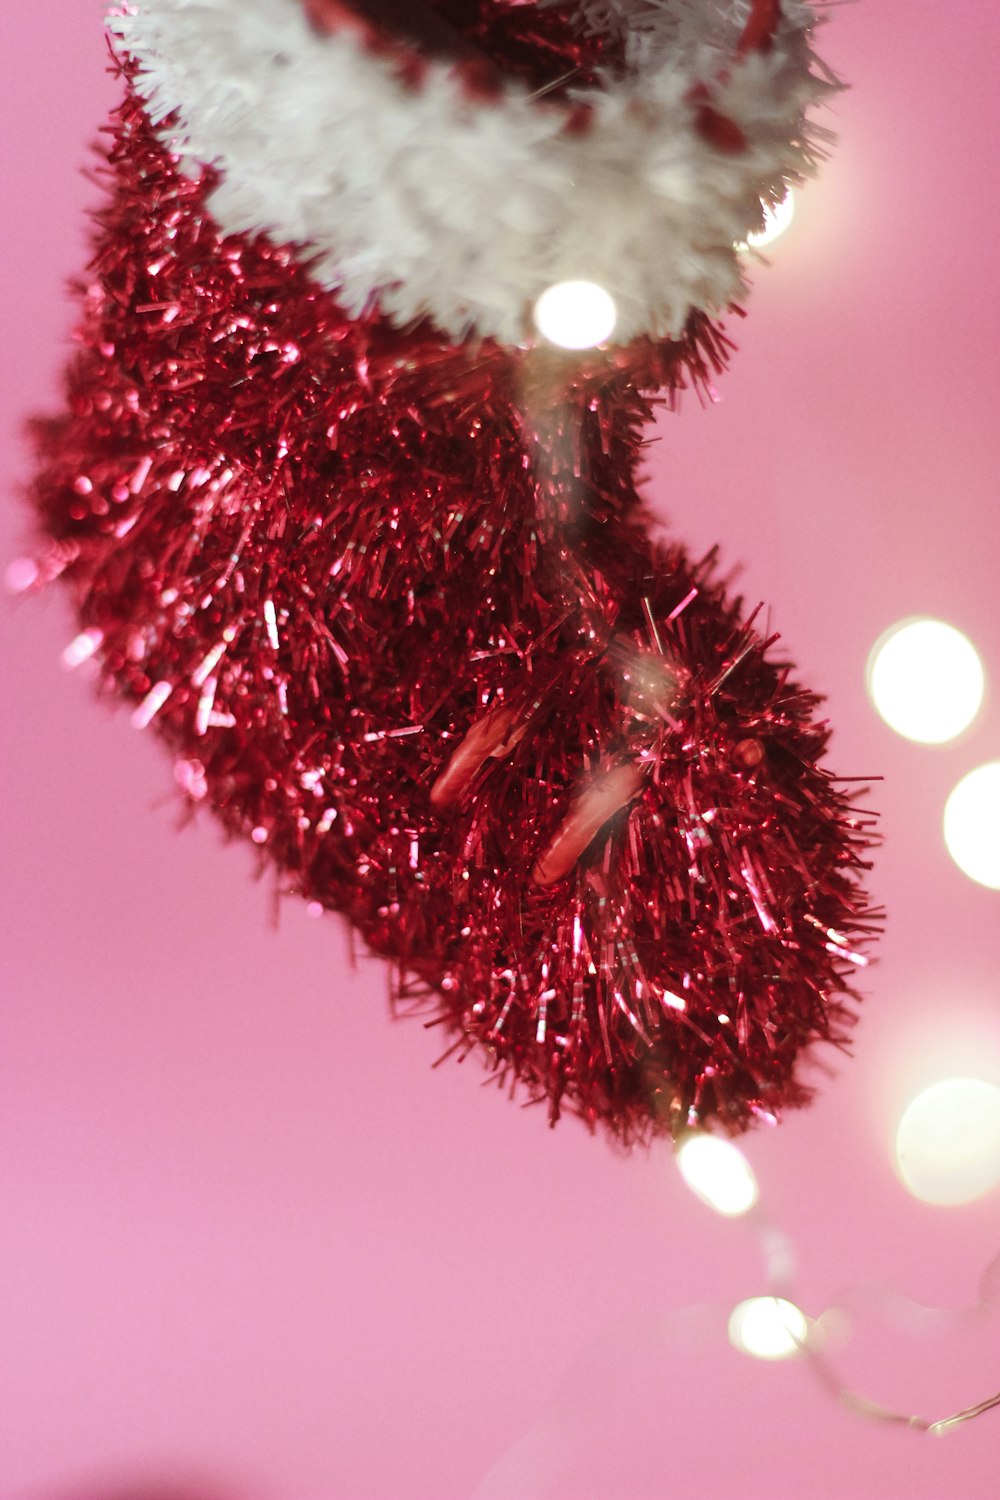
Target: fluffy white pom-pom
(466, 211)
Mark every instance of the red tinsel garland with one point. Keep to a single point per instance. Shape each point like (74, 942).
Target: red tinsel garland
(394, 606)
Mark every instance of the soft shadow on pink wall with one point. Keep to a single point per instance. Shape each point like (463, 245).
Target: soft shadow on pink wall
(138, 1488)
(246, 1232)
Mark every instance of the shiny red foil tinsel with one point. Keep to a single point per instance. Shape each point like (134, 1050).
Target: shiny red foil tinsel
(395, 609)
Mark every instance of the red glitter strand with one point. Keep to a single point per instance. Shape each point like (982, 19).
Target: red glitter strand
(394, 607)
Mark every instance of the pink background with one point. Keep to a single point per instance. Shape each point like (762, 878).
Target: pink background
(249, 1242)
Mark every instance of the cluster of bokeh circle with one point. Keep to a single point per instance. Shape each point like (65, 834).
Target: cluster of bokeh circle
(927, 682)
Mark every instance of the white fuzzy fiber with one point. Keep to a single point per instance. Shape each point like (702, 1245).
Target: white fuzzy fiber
(433, 205)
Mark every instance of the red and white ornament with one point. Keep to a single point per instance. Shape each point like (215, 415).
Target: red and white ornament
(370, 557)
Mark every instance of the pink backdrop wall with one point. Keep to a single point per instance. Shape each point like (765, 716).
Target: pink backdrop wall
(248, 1240)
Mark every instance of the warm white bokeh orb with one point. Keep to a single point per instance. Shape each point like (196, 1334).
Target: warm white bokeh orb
(767, 1327)
(926, 680)
(576, 314)
(972, 824)
(776, 221)
(718, 1173)
(948, 1141)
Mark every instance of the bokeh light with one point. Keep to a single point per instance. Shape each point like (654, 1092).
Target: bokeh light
(926, 680)
(948, 1141)
(767, 1327)
(21, 574)
(776, 221)
(972, 824)
(576, 314)
(718, 1173)
(81, 648)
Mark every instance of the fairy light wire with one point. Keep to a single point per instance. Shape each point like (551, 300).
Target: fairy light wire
(778, 1258)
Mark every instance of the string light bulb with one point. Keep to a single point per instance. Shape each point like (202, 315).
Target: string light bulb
(926, 680)
(777, 218)
(948, 1141)
(972, 825)
(768, 1327)
(718, 1173)
(576, 314)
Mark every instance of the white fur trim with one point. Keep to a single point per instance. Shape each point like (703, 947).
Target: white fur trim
(467, 212)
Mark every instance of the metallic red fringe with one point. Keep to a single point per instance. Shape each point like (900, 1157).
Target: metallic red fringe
(339, 568)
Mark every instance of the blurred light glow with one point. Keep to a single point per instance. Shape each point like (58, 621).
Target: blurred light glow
(576, 314)
(718, 1173)
(21, 574)
(776, 221)
(81, 648)
(151, 704)
(972, 824)
(948, 1141)
(926, 680)
(767, 1327)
